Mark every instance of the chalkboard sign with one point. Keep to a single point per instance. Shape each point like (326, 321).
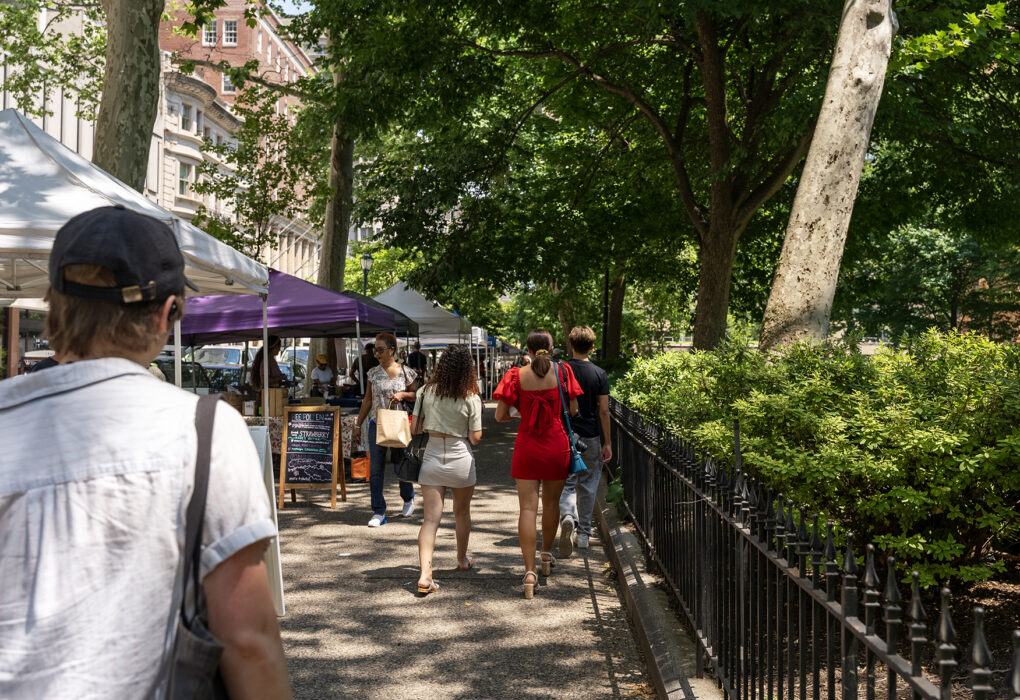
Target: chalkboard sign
(310, 450)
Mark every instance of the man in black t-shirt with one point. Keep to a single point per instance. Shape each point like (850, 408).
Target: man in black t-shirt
(417, 360)
(577, 503)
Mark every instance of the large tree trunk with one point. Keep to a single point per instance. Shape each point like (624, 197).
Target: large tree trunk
(614, 326)
(800, 303)
(333, 254)
(717, 252)
(127, 110)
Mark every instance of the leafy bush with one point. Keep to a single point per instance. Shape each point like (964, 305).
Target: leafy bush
(915, 450)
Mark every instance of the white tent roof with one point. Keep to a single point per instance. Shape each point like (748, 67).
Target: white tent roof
(43, 184)
(435, 324)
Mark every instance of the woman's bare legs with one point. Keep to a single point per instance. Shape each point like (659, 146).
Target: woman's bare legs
(527, 496)
(433, 497)
(551, 491)
(462, 517)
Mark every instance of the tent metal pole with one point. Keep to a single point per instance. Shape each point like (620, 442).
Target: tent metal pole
(360, 351)
(265, 360)
(177, 353)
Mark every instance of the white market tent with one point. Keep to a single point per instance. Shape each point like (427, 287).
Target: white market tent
(436, 325)
(43, 184)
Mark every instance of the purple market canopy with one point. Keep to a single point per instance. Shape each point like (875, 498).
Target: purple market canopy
(297, 309)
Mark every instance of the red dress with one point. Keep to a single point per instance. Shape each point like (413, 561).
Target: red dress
(541, 450)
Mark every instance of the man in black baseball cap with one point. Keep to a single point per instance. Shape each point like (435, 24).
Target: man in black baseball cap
(116, 285)
(97, 471)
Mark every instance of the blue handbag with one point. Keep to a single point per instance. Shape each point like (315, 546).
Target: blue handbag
(576, 463)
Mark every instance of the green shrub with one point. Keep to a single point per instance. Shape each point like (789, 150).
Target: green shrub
(916, 450)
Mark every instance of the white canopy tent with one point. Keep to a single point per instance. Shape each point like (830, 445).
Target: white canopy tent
(436, 325)
(43, 184)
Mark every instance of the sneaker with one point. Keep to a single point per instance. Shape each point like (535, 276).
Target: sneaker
(377, 520)
(582, 541)
(408, 508)
(566, 536)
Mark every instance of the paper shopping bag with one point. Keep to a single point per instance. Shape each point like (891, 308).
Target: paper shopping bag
(392, 429)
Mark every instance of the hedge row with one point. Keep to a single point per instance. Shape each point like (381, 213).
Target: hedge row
(916, 450)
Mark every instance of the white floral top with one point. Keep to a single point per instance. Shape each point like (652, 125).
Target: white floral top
(384, 386)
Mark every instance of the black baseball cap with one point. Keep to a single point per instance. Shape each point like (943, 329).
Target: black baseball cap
(141, 252)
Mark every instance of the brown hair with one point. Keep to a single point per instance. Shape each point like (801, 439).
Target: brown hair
(540, 340)
(389, 339)
(454, 376)
(86, 327)
(582, 339)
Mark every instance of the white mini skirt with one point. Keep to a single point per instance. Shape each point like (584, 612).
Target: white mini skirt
(448, 462)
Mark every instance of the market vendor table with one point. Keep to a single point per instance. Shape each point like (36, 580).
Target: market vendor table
(276, 431)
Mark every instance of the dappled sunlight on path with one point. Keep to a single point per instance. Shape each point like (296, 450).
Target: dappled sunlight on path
(355, 629)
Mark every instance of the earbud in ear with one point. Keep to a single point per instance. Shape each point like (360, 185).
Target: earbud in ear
(172, 314)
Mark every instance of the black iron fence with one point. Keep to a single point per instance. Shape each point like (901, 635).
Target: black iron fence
(775, 609)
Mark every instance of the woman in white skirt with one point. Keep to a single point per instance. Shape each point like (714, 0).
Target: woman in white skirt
(450, 410)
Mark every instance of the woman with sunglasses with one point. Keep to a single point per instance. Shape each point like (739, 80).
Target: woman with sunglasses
(388, 382)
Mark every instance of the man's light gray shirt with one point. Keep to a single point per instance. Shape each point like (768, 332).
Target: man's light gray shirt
(97, 465)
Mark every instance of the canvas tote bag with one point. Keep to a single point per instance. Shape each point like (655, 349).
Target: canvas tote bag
(392, 428)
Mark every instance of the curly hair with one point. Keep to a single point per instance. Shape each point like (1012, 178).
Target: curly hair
(454, 376)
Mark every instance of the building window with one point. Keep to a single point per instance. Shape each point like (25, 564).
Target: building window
(184, 179)
(198, 120)
(185, 117)
(286, 72)
(206, 132)
(258, 42)
(269, 53)
(230, 32)
(228, 87)
(209, 34)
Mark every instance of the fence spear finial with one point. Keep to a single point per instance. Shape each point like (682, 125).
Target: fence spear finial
(981, 674)
(849, 561)
(1014, 677)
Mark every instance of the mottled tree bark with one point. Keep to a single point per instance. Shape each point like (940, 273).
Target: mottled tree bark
(800, 303)
(127, 110)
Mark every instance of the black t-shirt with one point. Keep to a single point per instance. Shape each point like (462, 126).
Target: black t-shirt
(595, 383)
(47, 362)
(416, 361)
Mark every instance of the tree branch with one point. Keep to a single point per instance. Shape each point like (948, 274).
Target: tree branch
(694, 211)
(222, 66)
(751, 202)
(527, 113)
(615, 131)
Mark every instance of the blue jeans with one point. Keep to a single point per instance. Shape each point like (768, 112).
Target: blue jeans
(377, 472)
(578, 498)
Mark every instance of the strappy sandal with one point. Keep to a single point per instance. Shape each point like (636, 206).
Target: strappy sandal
(471, 564)
(423, 591)
(547, 564)
(529, 588)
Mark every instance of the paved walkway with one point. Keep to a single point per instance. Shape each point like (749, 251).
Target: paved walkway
(354, 628)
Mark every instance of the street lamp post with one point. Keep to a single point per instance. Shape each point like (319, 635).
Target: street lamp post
(366, 265)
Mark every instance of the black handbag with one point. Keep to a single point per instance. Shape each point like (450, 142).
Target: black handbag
(409, 466)
(195, 659)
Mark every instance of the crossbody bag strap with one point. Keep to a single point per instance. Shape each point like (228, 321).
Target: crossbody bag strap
(566, 413)
(205, 413)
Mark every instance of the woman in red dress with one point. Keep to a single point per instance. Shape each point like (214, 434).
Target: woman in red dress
(542, 450)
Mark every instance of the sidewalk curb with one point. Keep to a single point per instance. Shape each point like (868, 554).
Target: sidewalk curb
(645, 605)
